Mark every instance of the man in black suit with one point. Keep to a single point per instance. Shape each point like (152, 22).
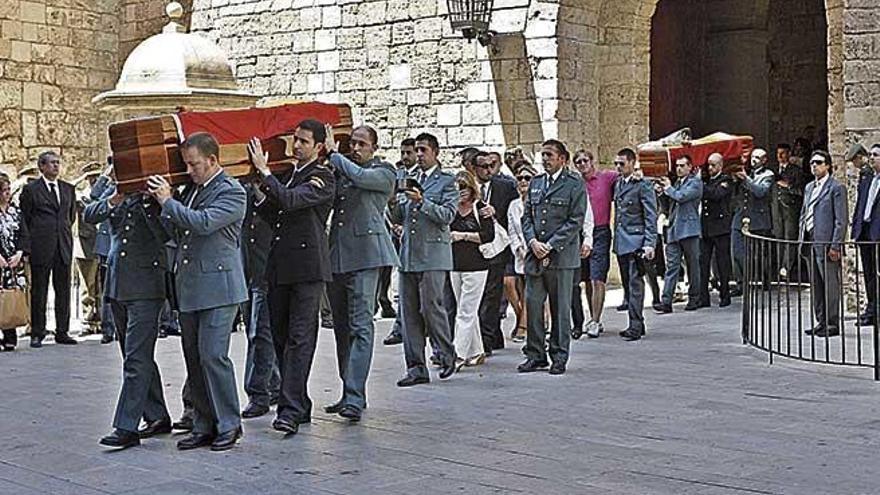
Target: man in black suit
(866, 228)
(497, 192)
(48, 208)
(717, 217)
(297, 204)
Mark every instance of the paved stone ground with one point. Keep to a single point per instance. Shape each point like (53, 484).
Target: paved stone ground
(688, 410)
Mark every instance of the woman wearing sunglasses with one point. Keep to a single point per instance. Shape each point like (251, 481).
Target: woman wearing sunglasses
(469, 270)
(524, 175)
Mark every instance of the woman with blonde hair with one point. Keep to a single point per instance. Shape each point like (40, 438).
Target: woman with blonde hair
(469, 269)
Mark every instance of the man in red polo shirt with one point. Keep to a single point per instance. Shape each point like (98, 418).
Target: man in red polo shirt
(594, 268)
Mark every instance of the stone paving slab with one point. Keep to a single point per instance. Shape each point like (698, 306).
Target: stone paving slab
(688, 410)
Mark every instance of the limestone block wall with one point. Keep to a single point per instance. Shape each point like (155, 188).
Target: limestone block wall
(398, 64)
(861, 71)
(54, 57)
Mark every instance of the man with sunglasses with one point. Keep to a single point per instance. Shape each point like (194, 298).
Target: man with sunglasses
(823, 223)
(866, 229)
(594, 268)
(497, 193)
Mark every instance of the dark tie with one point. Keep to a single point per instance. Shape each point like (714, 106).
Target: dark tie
(192, 198)
(54, 194)
(422, 178)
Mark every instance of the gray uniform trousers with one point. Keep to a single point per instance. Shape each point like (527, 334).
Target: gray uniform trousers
(353, 299)
(632, 270)
(141, 395)
(559, 285)
(211, 374)
(690, 248)
(423, 312)
(262, 378)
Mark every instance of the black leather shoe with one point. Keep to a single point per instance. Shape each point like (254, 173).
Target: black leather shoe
(393, 338)
(226, 440)
(273, 401)
(195, 441)
(64, 339)
(36, 342)
(530, 366)
(577, 332)
(866, 320)
(736, 293)
(153, 428)
(351, 413)
(692, 306)
(388, 313)
(623, 307)
(333, 408)
(409, 381)
(703, 304)
(285, 426)
(254, 410)
(557, 368)
(121, 439)
(631, 335)
(815, 330)
(827, 332)
(724, 303)
(662, 309)
(447, 370)
(185, 424)
(106, 339)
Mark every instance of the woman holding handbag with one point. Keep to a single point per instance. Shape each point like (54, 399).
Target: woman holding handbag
(516, 294)
(469, 269)
(14, 246)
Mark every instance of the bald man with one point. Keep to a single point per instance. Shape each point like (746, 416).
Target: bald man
(717, 216)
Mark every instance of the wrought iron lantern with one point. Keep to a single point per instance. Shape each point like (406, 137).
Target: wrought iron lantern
(472, 18)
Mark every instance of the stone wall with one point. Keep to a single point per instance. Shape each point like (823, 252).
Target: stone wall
(140, 19)
(54, 57)
(398, 64)
(861, 71)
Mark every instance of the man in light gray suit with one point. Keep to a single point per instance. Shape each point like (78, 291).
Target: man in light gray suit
(683, 234)
(360, 246)
(635, 234)
(425, 211)
(210, 285)
(823, 222)
(135, 290)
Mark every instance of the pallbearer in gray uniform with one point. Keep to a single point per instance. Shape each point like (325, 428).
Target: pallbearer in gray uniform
(425, 212)
(135, 289)
(553, 216)
(210, 286)
(360, 245)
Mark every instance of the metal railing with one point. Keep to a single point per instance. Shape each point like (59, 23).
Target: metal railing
(803, 301)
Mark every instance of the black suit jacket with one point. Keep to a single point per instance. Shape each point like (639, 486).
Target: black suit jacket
(502, 192)
(256, 238)
(48, 221)
(717, 213)
(298, 212)
(861, 230)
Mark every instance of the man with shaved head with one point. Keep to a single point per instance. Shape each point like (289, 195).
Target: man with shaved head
(717, 190)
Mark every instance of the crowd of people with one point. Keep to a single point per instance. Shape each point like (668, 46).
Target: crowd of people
(277, 247)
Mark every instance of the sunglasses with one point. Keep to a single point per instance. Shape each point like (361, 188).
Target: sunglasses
(523, 178)
(484, 166)
(817, 162)
(619, 164)
(582, 161)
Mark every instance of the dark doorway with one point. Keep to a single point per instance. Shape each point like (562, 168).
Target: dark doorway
(755, 67)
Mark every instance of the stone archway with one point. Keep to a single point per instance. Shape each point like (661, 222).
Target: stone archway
(605, 67)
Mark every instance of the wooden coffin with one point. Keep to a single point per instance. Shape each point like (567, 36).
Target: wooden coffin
(150, 146)
(657, 160)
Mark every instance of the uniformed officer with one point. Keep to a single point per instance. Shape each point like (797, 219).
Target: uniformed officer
(788, 197)
(635, 235)
(425, 261)
(717, 190)
(102, 250)
(262, 378)
(360, 246)
(553, 217)
(135, 290)
(298, 267)
(683, 234)
(756, 187)
(210, 286)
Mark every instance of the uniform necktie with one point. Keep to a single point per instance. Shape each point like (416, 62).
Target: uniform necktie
(872, 197)
(192, 198)
(422, 178)
(54, 192)
(483, 192)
